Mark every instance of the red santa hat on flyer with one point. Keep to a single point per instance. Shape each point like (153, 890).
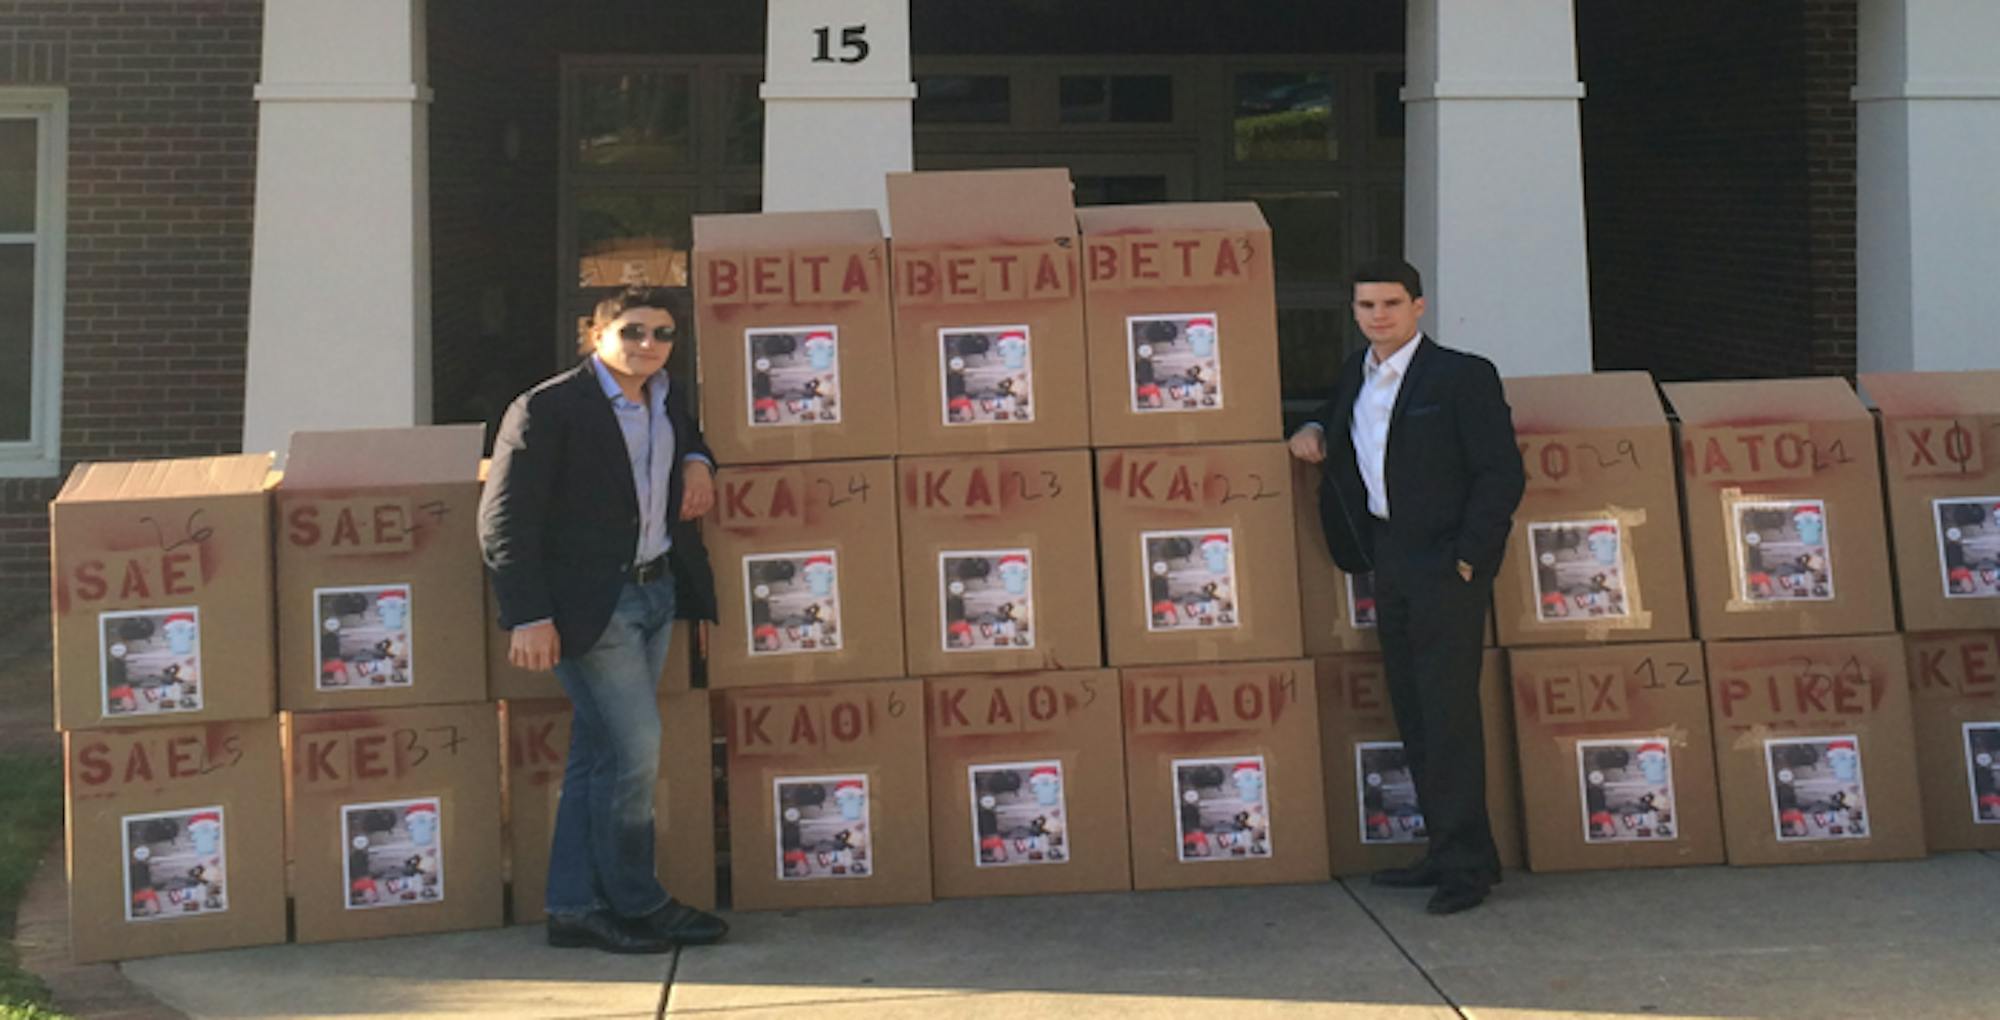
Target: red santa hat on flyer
(1601, 529)
(812, 561)
(1652, 745)
(204, 816)
(1243, 767)
(1214, 539)
(847, 785)
(187, 618)
(1014, 334)
(1201, 322)
(417, 810)
(1808, 513)
(1838, 745)
(394, 593)
(819, 334)
(1044, 771)
(1014, 558)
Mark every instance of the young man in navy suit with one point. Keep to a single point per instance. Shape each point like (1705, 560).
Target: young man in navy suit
(588, 526)
(1420, 477)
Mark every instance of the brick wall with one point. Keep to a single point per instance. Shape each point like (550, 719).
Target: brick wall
(162, 174)
(1718, 148)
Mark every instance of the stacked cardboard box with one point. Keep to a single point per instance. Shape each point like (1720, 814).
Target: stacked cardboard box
(1786, 534)
(1941, 449)
(166, 696)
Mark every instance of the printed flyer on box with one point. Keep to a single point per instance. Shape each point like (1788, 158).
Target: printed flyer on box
(793, 602)
(1579, 570)
(176, 864)
(149, 661)
(1224, 812)
(1019, 814)
(1982, 764)
(1969, 546)
(1817, 790)
(1173, 362)
(989, 375)
(794, 375)
(1361, 601)
(364, 637)
(1628, 790)
(1785, 552)
(395, 853)
(987, 598)
(1190, 578)
(822, 827)
(1389, 809)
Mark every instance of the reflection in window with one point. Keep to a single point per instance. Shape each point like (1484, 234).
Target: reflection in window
(962, 99)
(743, 122)
(1106, 189)
(632, 239)
(1282, 116)
(630, 120)
(1117, 98)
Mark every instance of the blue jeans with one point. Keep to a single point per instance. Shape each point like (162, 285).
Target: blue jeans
(603, 850)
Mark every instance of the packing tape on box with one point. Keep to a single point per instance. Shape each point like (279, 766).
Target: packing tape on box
(1595, 628)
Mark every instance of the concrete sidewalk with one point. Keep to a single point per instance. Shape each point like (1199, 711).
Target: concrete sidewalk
(1913, 939)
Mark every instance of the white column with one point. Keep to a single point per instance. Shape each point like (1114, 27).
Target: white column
(837, 95)
(1494, 181)
(340, 277)
(1928, 173)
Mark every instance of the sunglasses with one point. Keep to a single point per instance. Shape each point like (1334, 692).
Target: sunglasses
(633, 332)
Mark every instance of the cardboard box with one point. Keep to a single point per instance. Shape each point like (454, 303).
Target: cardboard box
(827, 798)
(171, 836)
(506, 681)
(1596, 550)
(1182, 320)
(1199, 558)
(1027, 779)
(162, 593)
(999, 563)
(1357, 725)
(1222, 769)
(807, 577)
(1941, 438)
(1617, 760)
(380, 584)
(537, 747)
(1336, 609)
(1955, 703)
(795, 329)
(395, 821)
(1784, 509)
(1813, 750)
(989, 312)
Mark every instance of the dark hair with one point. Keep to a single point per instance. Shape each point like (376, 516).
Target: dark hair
(1389, 270)
(672, 300)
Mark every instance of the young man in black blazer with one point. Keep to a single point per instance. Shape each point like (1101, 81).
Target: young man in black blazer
(1420, 478)
(588, 527)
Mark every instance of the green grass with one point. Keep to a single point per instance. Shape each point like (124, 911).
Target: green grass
(31, 806)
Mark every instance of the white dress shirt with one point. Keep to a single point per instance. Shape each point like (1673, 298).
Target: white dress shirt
(1369, 429)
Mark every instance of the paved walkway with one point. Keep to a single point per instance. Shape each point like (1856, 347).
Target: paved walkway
(1862, 941)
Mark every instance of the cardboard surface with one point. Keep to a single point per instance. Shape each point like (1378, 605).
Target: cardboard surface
(162, 593)
(1198, 552)
(1182, 322)
(986, 275)
(1783, 500)
(1596, 550)
(537, 746)
(1355, 717)
(1941, 449)
(1336, 609)
(505, 681)
(1955, 705)
(849, 760)
(795, 326)
(999, 563)
(359, 785)
(1223, 777)
(380, 585)
(1835, 714)
(173, 837)
(820, 540)
(1046, 749)
(1617, 760)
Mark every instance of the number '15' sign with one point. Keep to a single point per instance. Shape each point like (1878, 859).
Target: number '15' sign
(821, 42)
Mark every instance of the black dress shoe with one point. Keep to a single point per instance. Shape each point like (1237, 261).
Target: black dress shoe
(600, 929)
(1420, 875)
(680, 925)
(1458, 892)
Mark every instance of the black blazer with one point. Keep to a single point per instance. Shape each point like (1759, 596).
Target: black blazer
(558, 519)
(1453, 468)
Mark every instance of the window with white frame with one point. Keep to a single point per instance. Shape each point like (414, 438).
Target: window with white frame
(33, 145)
